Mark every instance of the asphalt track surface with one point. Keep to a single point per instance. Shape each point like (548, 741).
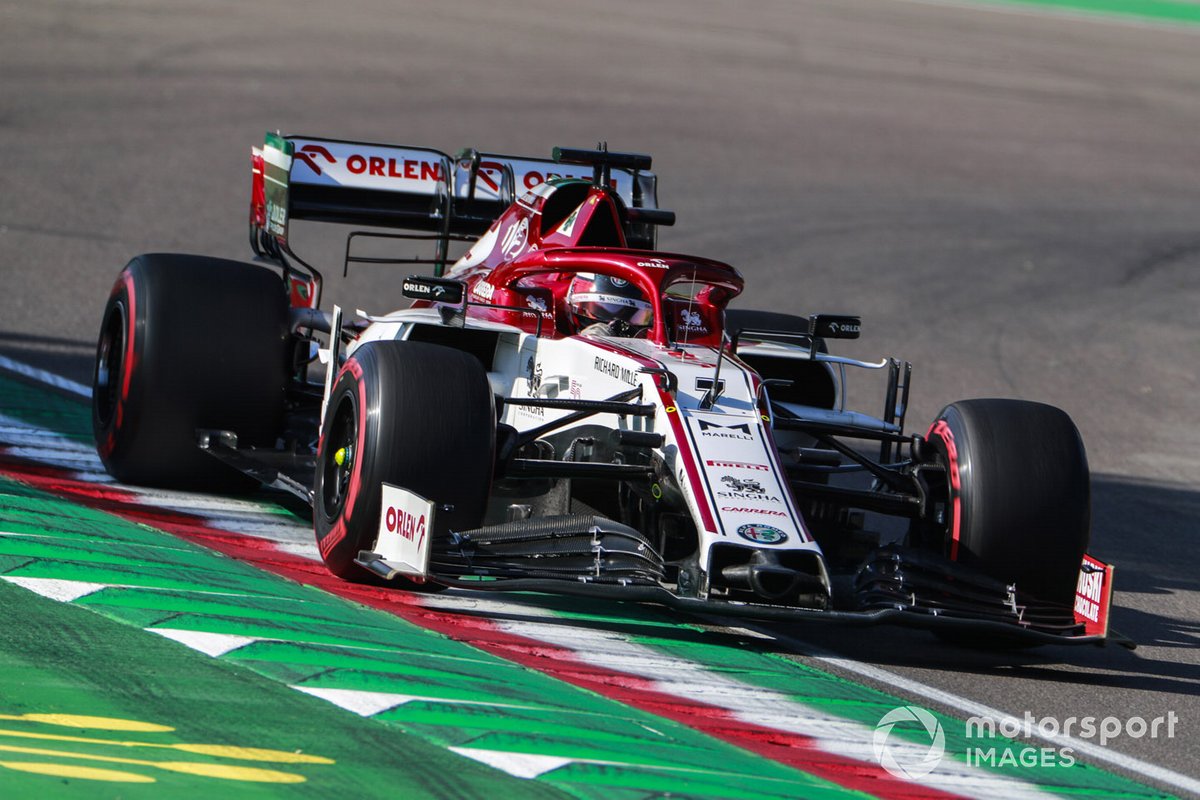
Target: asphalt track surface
(1011, 201)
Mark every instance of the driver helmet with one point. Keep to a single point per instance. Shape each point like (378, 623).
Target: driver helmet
(611, 301)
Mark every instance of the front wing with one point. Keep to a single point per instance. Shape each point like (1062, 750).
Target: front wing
(591, 556)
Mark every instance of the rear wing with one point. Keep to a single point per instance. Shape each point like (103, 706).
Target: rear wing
(396, 186)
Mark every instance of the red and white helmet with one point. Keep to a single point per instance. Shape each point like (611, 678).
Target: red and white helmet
(600, 298)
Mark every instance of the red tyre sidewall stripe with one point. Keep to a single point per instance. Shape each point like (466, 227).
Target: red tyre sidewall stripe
(125, 282)
(338, 532)
(942, 429)
(130, 338)
(355, 369)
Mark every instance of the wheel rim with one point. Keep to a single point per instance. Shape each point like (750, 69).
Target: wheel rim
(343, 440)
(110, 362)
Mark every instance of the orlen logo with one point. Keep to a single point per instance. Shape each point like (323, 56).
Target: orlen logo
(401, 522)
(393, 168)
(491, 175)
(307, 153)
(533, 178)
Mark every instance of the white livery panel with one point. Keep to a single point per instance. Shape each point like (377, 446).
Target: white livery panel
(741, 478)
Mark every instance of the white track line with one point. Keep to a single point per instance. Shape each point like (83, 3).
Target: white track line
(971, 708)
(48, 378)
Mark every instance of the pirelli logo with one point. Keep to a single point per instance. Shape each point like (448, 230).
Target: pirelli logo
(738, 465)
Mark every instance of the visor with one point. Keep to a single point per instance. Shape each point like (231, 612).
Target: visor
(607, 307)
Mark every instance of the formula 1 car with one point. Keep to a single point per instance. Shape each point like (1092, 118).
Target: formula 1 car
(566, 409)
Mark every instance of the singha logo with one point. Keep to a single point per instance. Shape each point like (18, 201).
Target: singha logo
(533, 374)
(743, 485)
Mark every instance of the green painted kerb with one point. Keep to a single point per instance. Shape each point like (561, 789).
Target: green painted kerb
(456, 696)
(68, 676)
(47, 409)
(1154, 10)
(93, 708)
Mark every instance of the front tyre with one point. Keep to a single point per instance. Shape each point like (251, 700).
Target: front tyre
(414, 415)
(1017, 493)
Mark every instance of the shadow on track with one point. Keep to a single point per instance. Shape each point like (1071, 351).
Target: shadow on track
(70, 358)
(1121, 507)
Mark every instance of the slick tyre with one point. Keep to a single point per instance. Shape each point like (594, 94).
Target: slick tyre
(188, 342)
(1017, 491)
(415, 415)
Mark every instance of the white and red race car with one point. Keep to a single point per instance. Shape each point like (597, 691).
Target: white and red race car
(567, 409)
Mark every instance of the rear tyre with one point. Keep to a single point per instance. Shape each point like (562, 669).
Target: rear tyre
(1017, 492)
(410, 414)
(188, 342)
